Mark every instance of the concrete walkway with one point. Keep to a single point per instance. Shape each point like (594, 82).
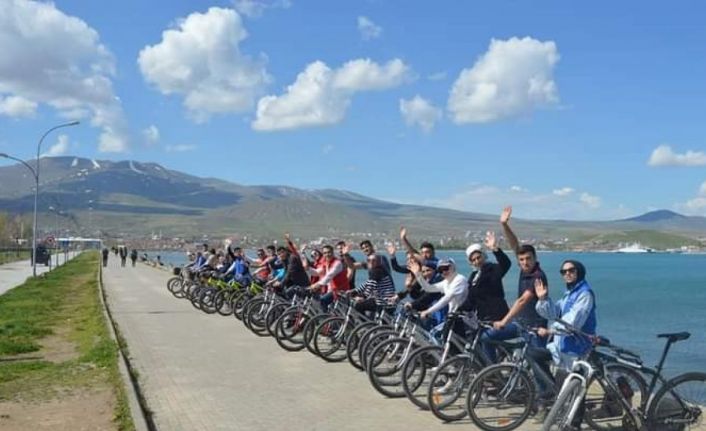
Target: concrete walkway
(208, 372)
(16, 273)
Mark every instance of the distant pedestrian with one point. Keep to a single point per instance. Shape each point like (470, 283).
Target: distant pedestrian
(159, 261)
(123, 255)
(133, 257)
(106, 253)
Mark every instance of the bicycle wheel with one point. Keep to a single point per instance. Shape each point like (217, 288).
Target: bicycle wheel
(238, 304)
(417, 373)
(354, 343)
(250, 307)
(190, 288)
(289, 329)
(310, 330)
(256, 316)
(386, 363)
(194, 298)
(330, 339)
(206, 300)
(370, 339)
(501, 397)
(680, 404)
(222, 302)
(273, 314)
(557, 419)
(175, 286)
(604, 411)
(449, 386)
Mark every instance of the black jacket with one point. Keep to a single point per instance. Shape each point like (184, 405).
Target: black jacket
(295, 273)
(485, 291)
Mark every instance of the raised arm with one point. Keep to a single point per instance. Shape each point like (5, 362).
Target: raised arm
(290, 244)
(348, 259)
(391, 250)
(509, 234)
(416, 269)
(492, 244)
(410, 248)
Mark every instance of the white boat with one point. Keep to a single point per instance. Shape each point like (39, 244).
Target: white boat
(634, 248)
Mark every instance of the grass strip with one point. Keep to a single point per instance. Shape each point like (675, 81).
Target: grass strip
(63, 304)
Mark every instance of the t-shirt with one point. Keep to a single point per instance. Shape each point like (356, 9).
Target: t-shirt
(528, 315)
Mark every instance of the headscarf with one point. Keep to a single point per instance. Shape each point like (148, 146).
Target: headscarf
(580, 272)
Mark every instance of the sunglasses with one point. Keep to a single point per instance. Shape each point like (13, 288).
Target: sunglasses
(567, 271)
(444, 268)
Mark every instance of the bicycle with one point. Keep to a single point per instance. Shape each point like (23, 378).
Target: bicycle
(677, 404)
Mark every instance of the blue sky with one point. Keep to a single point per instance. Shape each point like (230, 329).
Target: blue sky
(563, 109)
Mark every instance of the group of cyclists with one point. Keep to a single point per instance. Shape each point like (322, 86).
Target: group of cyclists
(433, 287)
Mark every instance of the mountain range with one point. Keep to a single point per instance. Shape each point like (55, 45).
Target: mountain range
(133, 199)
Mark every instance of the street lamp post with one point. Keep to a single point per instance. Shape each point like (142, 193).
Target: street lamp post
(35, 173)
(57, 234)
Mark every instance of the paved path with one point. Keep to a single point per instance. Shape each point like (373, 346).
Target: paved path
(16, 273)
(208, 372)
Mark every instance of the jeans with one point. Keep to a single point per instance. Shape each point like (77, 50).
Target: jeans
(368, 304)
(509, 331)
(326, 300)
(542, 357)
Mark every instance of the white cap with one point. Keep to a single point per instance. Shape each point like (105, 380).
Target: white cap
(473, 248)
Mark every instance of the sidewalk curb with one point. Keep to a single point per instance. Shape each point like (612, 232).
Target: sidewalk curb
(136, 400)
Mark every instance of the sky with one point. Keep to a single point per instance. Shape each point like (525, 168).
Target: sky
(568, 110)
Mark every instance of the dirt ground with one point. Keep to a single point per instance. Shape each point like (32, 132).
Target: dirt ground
(90, 410)
(74, 410)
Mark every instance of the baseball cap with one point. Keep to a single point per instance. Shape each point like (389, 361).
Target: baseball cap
(445, 261)
(473, 248)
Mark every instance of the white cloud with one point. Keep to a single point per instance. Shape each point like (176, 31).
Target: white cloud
(590, 200)
(255, 8)
(438, 76)
(664, 156)
(564, 191)
(179, 148)
(56, 59)
(320, 96)
(695, 205)
(513, 77)
(364, 74)
(326, 149)
(17, 106)
(201, 60)
(151, 135)
(368, 29)
(420, 112)
(60, 148)
(487, 198)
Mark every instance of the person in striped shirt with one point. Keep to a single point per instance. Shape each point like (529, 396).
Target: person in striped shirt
(377, 290)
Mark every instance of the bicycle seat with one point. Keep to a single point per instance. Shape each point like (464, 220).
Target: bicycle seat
(674, 337)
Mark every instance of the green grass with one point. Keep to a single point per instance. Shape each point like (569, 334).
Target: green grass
(13, 256)
(64, 302)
